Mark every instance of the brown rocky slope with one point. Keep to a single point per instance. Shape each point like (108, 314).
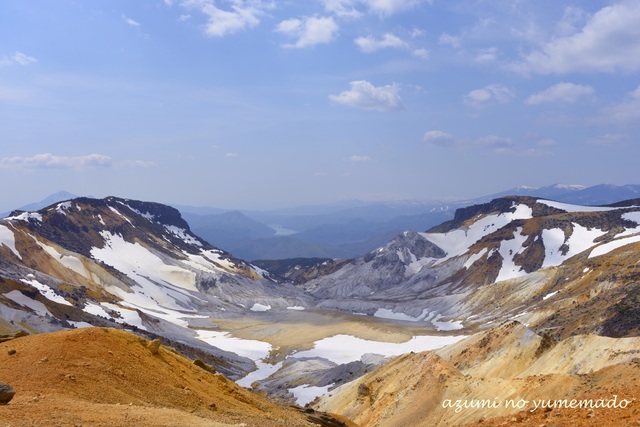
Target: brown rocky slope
(109, 377)
(508, 373)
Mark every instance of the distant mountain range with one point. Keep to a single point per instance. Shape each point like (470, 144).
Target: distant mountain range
(350, 228)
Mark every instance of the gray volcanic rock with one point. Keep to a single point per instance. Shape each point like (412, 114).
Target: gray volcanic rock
(6, 393)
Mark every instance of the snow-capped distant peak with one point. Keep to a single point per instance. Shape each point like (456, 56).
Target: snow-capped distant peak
(570, 186)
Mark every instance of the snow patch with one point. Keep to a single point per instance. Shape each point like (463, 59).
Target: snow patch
(252, 349)
(475, 257)
(574, 208)
(446, 325)
(8, 238)
(508, 250)
(183, 234)
(117, 212)
(581, 239)
(141, 265)
(26, 216)
(307, 393)
(20, 298)
(69, 261)
(47, 292)
(613, 245)
(457, 242)
(260, 307)
(386, 313)
(63, 207)
(343, 349)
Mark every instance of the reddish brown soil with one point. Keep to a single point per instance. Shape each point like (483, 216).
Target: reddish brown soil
(108, 377)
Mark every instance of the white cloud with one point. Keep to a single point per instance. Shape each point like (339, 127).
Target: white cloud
(561, 92)
(342, 8)
(310, 31)
(487, 55)
(142, 164)
(624, 112)
(389, 7)
(421, 53)
(448, 39)
(130, 21)
(369, 44)
(369, 97)
(358, 158)
(438, 137)
(18, 58)
(231, 155)
(349, 9)
(495, 142)
(572, 19)
(608, 42)
(491, 143)
(487, 95)
(610, 140)
(50, 161)
(242, 14)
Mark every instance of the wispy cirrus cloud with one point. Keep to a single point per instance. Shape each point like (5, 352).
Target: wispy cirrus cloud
(76, 163)
(489, 143)
(18, 58)
(356, 8)
(366, 96)
(51, 161)
(610, 140)
(130, 21)
(360, 158)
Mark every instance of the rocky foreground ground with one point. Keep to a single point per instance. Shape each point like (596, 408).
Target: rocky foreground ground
(109, 377)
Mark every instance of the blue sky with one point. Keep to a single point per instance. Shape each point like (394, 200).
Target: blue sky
(261, 104)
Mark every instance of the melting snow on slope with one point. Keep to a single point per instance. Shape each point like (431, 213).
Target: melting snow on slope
(581, 239)
(385, 313)
(26, 216)
(182, 234)
(8, 239)
(574, 208)
(46, 291)
(20, 298)
(342, 349)
(457, 242)
(117, 212)
(140, 264)
(69, 261)
(615, 244)
(631, 216)
(252, 349)
(508, 250)
(260, 307)
(120, 315)
(307, 393)
(475, 257)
